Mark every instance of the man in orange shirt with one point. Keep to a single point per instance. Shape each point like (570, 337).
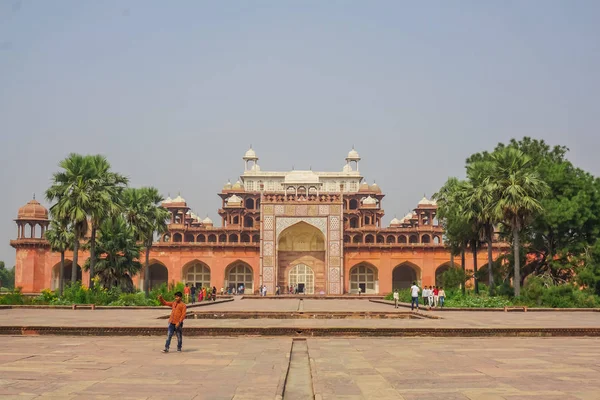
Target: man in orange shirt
(178, 309)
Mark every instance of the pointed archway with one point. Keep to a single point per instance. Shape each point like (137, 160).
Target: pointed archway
(404, 275)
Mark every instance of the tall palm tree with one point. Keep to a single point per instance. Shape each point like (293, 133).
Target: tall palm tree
(105, 189)
(61, 239)
(71, 190)
(516, 188)
(480, 203)
(118, 253)
(144, 212)
(451, 200)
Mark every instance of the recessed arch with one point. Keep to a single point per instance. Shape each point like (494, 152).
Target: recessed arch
(302, 277)
(439, 271)
(426, 239)
(196, 273)
(255, 238)
(248, 222)
(402, 239)
(189, 238)
(391, 239)
(245, 238)
(404, 274)
(369, 238)
(240, 273)
(250, 204)
(365, 277)
(67, 273)
(413, 239)
(222, 238)
(347, 239)
(301, 236)
(212, 238)
(380, 239)
(354, 222)
(437, 240)
(157, 274)
(233, 238)
(353, 205)
(177, 238)
(357, 238)
(201, 238)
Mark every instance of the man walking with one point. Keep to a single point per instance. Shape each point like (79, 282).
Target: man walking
(193, 293)
(178, 309)
(396, 298)
(414, 293)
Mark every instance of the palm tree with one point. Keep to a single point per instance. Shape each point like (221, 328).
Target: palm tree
(516, 188)
(61, 239)
(118, 253)
(480, 204)
(70, 190)
(105, 189)
(144, 213)
(451, 199)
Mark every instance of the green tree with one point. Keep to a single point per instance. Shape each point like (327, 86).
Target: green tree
(451, 199)
(105, 188)
(61, 239)
(7, 276)
(516, 187)
(71, 190)
(144, 213)
(118, 253)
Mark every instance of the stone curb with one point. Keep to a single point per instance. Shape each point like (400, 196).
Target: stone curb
(302, 332)
(498, 309)
(309, 297)
(88, 306)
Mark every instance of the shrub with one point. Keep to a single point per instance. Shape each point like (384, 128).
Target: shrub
(133, 299)
(13, 297)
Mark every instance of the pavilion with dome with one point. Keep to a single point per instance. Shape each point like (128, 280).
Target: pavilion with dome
(318, 232)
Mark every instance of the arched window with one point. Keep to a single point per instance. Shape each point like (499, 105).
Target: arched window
(380, 239)
(236, 220)
(248, 222)
(177, 238)
(425, 239)
(222, 238)
(363, 277)
(413, 239)
(255, 238)
(198, 274)
(369, 239)
(353, 204)
(233, 238)
(250, 204)
(402, 239)
(303, 277)
(201, 238)
(240, 274)
(212, 238)
(245, 238)
(391, 239)
(357, 239)
(346, 239)
(436, 239)
(354, 222)
(189, 238)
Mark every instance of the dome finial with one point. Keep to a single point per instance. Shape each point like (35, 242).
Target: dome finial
(34, 196)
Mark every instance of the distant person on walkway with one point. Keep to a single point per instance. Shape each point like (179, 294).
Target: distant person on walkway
(425, 295)
(414, 292)
(441, 296)
(359, 290)
(204, 296)
(193, 293)
(396, 298)
(178, 309)
(214, 293)
(277, 290)
(436, 293)
(186, 291)
(222, 291)
(431, 304)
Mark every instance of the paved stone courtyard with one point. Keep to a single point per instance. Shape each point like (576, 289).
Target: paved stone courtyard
(59, 367)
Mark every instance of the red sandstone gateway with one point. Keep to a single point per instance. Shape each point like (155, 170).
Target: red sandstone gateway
(318, 231)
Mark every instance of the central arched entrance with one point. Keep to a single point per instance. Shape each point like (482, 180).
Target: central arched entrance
(67, 273)
(302, 277)
(158, 274)
(301, 258)
(240, 274)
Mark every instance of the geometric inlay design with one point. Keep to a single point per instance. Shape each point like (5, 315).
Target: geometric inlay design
(279, 209)
(334, 261)
(334, 235)
(285, 222)
(335, 209)
(313, 210)
(334, 288)
(302, 209)
(323, 209)
(289, 209)
(267, 235)
(268, 249)
(268, 274)
(268, 261)
(268, 209)
(334, 274)
(334, 248)
(268, 223)
(334, 223)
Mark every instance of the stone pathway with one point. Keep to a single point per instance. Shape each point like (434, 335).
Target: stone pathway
(59, 367)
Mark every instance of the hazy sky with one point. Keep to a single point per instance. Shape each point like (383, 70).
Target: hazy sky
(173, 93)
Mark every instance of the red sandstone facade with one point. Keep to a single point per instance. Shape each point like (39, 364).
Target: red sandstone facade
(320, 232)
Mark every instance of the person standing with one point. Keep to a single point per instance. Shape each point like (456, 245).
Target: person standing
(214, 293)
(441, 296)
(436, 292)
(178, 310)
(414, 293)
(425, 295)
(430, 296)
(396, 298)
(186, 291)
(193, 293)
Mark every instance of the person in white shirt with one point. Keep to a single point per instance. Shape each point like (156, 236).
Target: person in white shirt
(425, 295)
(396, 298)
(430, 293)
(414, 293)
